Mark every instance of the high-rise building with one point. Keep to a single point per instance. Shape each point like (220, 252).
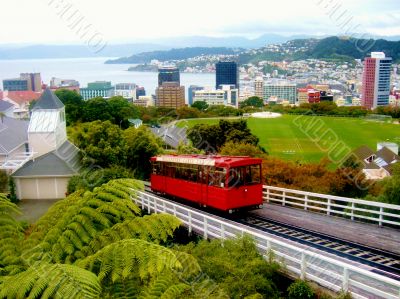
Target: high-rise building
(168, 74)
(259, 87)
(170, 95)
(102, 89)
(16, 84)
(376, 80)
(34, 81)
(140, 91)
(227, 73)
(26, 82)
(191, 91)
(282, 91)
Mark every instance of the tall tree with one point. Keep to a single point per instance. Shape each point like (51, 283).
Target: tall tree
(74, 104)
(141, 146)
(102, 143)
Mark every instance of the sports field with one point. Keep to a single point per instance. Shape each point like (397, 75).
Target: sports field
(310, 138)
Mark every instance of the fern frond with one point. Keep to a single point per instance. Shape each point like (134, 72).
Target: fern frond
(88, 215)
(118, 260)
(51, 281)
(156, 228)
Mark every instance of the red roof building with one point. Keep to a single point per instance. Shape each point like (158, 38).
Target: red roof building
(21, 101)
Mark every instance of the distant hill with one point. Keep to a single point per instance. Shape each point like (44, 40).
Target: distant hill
(16, 51)
(174, 54)
(336, 48)
(354, 48)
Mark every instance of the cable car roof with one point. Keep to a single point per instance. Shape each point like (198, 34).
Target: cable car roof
(209, 160)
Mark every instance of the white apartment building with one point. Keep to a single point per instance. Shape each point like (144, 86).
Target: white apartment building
(282, 90)
(227, 96)
(125, 90)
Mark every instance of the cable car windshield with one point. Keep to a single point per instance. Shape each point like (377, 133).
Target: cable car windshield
(244, 175)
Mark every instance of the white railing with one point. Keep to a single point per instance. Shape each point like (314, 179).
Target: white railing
(362, 210)
(325, 271)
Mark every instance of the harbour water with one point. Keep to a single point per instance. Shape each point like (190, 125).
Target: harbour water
(93, 69)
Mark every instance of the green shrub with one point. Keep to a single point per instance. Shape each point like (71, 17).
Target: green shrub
(300, 289)
(12, 191)
(92, 178)
(3, 181)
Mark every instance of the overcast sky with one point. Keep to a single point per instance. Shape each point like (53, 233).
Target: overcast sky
(48, 21)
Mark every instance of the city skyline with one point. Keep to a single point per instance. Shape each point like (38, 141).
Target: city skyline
(56, 21)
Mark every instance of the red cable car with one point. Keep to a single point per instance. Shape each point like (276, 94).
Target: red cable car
(225, 183)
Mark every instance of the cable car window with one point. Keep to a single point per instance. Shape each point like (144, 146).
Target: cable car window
(252, 175)
(236, 177)
(217, 177)
(156, 168)
(186, 172)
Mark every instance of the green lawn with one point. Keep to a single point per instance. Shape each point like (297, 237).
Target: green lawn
(310, 138)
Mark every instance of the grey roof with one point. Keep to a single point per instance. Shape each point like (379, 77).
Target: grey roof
(13, 133)
(363, 152)
(171, 135)
(4, 106)
(48, 100)
(61, 162)
(387, 155)
(371, 165)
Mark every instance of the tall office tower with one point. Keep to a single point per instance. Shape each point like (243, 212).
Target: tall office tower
(168, 74)
(259, 87)
(227, 73)
(34, 81)
(376, 80)
(140, 91)
(170, 95)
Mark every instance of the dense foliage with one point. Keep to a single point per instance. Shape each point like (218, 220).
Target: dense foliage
(237, 267)
(252, 102)
(3, 181)
(117, 110)
(91, 178)
(92, 244)
(212, 137)
(389, 188)
(323, 108)
(105, 145)
(330, 48)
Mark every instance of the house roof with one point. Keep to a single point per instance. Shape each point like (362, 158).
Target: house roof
(4, 106)
(48, 100)
(21, 97)
(135, 121)
(363, 152)
(171, 135)
(387, 155)
(13, 133)
(371, 165)
(61, 162)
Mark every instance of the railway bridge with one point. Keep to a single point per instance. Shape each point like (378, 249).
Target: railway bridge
(339, 243)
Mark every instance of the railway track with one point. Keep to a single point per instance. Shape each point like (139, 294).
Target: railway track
(382, 262)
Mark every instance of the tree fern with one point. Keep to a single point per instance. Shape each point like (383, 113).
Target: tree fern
(156, 228)
(119, 260)
(11, 234)
(89, 215)
(165, 287)
(51, 281)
